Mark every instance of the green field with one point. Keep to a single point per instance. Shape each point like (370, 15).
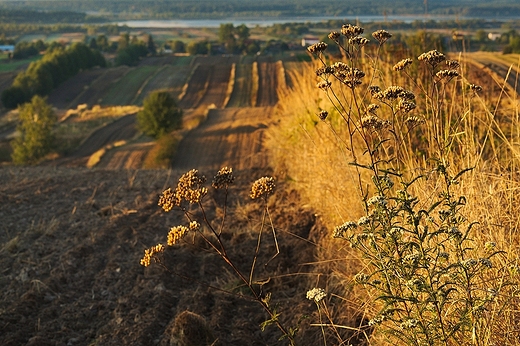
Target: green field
(241, 96)
(12, 65)
(124, 91)
(170, 77)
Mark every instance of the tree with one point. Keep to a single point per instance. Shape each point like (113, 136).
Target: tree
(178, 47)
(150, 45)
(35, 139)
(160, 114)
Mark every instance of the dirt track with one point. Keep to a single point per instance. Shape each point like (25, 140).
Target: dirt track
(229, 137)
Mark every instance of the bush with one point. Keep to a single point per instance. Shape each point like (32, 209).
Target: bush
(160, 115)
(160, 156)
(36, 139)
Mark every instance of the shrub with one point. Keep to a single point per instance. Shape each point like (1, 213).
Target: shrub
(35, 139)
(160, 114)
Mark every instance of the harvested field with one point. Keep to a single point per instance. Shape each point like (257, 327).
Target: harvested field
(268, 75)
(171, 77)
(241, 95)
(209, 82)
(64, 95)
(71, 251)
(229, 137)
(98, 89)
(126, 89)
(119, 130)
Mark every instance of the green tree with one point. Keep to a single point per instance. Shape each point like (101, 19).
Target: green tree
(35, 140)
(178, 47)
(160, 114)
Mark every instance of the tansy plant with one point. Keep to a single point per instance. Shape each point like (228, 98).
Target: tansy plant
(432, 283)
(191, 191)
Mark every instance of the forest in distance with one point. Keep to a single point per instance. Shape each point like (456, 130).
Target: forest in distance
(96, 10)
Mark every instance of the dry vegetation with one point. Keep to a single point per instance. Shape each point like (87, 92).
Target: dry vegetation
(476, 130)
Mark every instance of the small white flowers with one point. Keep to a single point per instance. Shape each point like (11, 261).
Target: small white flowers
(316, 294)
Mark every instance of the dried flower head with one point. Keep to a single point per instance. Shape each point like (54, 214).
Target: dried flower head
(374, 89)
(452, 64)
(324, 70)
(406, 95)
(358, 40)
(390, 93)
(176, 233)
(406, 106)
(190, 186)
(334, 36)
(316, 294)
(323, 115)
(149, 253)
(413, 121)
(432, 57)
(372, 108)
(381, 35)
(351, 31)
(324, 84)
(317, 47)
(262, 187)
(446, 75)
(168, 200)
(223, 178)
(339, 66)
(401, 65)
(475, 88)
(372, 122)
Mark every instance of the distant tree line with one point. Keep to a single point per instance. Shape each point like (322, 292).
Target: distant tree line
(41, 17)
(134, 9)
(57, 65)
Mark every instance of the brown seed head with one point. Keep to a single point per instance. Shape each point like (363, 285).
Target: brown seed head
(381, 35)
(446, 75)
(317, 47)
(262, 187)
(373, 122)
(190, 186)
(475, 88)
(323, 115)
(149, 253)
(324, 84)
(223, 178)
(432, 57)
(452, 64)
(374, 89)
(177, 233)
(406, 106)
(351, 31)
(358, 40)
(372, 108)
(168, 200)
(334, 36)
(401, 65)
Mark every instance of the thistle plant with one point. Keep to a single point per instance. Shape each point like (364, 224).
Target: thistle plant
(422, 263)
(188, 198)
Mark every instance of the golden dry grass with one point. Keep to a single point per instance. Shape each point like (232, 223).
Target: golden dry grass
(312, 155)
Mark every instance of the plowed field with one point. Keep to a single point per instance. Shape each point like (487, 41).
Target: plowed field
(229, 137)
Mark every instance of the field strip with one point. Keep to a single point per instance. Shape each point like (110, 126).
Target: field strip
(123, 91)
(145, 83)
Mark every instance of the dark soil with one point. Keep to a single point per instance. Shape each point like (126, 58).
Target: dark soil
(71, 241)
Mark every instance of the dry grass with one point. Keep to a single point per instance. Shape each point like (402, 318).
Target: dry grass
(484, 134)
